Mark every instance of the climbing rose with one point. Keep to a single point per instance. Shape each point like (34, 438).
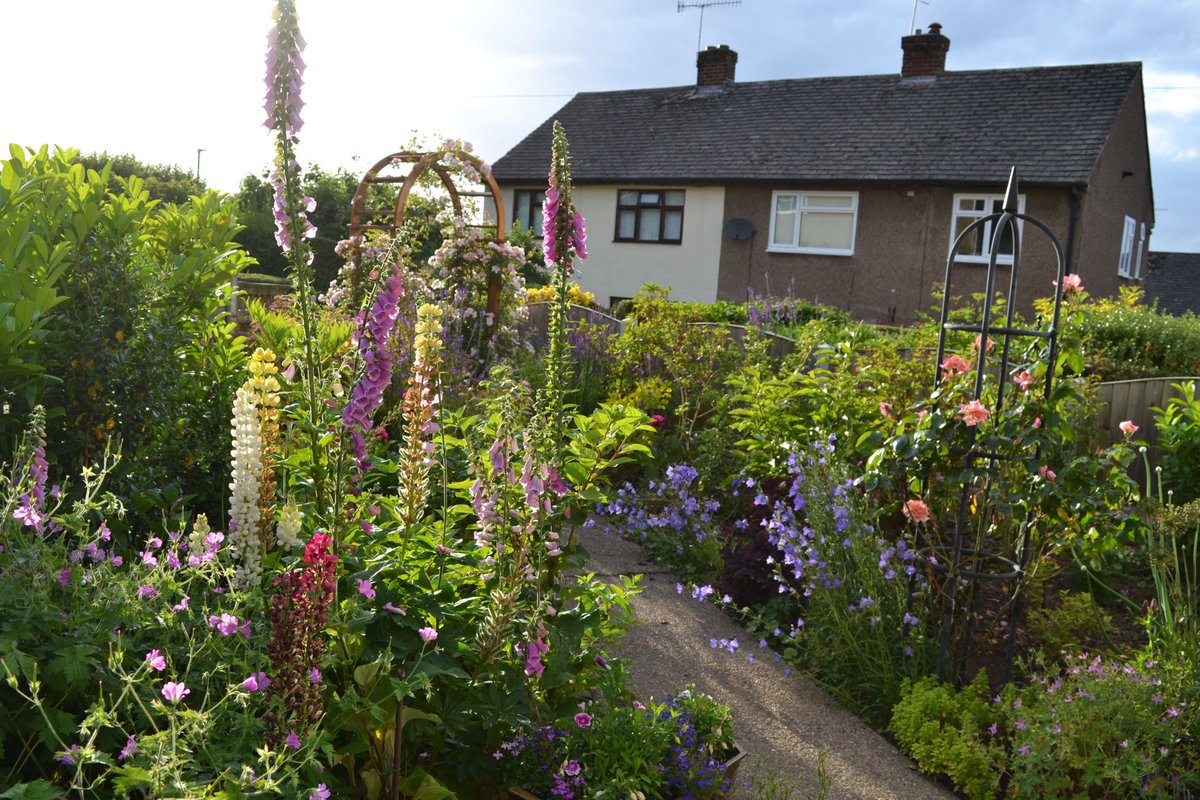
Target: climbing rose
(1071, 283)
(1128, 428)
(955, 365)
(916, 511)
(972, 413)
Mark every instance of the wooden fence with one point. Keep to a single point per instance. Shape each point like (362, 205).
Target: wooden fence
(1135, 400)
(534, 328)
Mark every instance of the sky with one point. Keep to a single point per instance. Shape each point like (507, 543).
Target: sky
(162, 79)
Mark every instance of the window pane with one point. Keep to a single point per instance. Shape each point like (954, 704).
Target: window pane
(1006, 241)
(536, 224)
(672, 225)
(672, 198)
(785, 227)
(828, 201)
(833, 231)
(649, 198)
(973, 244)
(648, 232)
(521, 214)
(625, 224)
(971, 203)
(627, 198)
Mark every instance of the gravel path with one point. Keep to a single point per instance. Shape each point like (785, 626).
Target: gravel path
(783, 723)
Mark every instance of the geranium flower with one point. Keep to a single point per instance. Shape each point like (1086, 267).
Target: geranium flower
(583, 719)
(174, 692)
(255, 682)
(292, 740)
(428, 634)
(366, 588)
(156, 661)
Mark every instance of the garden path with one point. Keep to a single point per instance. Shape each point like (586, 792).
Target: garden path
(782, 722)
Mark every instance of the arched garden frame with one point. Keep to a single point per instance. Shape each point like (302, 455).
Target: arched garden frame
(451, 164)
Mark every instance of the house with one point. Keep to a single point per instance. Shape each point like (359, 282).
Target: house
(849, 190)
(1173, 282)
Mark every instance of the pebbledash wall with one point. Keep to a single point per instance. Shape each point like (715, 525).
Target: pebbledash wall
(618, 269)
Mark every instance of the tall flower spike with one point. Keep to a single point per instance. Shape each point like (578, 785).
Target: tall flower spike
(420, 406)
(375, 351)
(264, 389)
(285, 78)
(564, 235)
(246, 469)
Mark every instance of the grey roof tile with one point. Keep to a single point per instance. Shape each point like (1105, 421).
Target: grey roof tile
(1173, 280)
(963, 127)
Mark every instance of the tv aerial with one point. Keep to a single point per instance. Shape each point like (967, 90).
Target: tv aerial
(681, 6)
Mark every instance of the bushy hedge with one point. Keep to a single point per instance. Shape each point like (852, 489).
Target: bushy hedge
(1125, 339)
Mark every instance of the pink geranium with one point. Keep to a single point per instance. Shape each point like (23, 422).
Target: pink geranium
(973, 413)
(174, 692)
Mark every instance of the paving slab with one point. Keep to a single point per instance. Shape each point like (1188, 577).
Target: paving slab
(783, 722)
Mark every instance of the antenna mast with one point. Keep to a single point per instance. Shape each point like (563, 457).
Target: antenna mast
(912, 26)
(681, 6)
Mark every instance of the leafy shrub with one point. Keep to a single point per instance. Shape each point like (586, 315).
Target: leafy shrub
(945, 731)
(1104, 730)
(1076, 623)
(1179, 440)
(1124, 339)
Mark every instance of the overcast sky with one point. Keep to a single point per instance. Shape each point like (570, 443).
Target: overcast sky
(162, 78)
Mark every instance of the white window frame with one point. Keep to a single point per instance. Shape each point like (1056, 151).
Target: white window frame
(801, 211)
(1125, 268)
(992, 204)
(1141, 249)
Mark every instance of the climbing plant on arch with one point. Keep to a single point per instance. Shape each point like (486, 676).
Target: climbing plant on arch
(475, 271)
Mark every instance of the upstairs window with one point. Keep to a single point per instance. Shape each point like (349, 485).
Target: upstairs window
(976, 248)
(650, 215)
(1126, 266)
(527, 209)
(822, 223)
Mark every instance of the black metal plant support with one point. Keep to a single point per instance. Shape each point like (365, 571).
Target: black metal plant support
(973, 562)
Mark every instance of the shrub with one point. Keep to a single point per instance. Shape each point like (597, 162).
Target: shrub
(1124, 339)
(945, 732)
(1179, 439)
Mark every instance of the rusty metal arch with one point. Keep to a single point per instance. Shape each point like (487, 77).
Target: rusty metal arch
(363, 218)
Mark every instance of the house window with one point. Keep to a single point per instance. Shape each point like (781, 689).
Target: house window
(527, 208)
(650, 215)
(1141, 248)
(813, 222)
(1125, 267)
(976, 247)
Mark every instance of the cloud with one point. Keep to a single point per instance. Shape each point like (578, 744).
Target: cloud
(1176, 94)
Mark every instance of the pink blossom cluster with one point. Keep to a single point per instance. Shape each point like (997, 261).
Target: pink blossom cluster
(564, 235)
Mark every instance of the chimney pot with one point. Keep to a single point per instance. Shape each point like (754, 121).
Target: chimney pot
(715, 66)
(924, 53)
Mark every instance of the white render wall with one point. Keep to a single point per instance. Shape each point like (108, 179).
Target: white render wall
(618, 269)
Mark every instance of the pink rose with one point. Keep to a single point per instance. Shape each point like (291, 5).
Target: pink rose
(1128, 428)
(972, 413)
(916, 511)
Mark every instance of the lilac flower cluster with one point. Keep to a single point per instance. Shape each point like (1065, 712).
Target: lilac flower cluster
(378, 360)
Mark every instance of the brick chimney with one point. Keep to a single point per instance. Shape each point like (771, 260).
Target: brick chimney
(924, 53)
(715, 66)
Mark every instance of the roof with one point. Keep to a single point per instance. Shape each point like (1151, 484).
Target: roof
(962, 127)
(1173, 280)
